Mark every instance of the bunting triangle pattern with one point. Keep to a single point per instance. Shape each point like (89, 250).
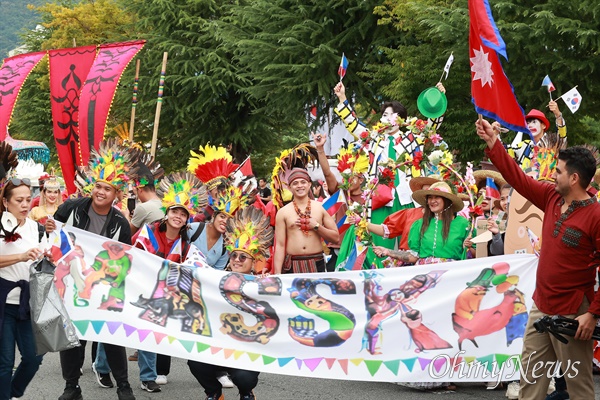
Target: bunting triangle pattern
(97, 326)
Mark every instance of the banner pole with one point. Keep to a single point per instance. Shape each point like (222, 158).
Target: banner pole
(161, 86)
(134, 99)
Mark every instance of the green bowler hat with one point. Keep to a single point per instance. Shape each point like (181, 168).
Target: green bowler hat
(432, 103)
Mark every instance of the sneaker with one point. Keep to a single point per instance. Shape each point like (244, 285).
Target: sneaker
(225, 381)
(558, 395)
(72, 392)
(512, 391)
(124, 391)
(248, 396)
(133, 357)
(103, 379)
(161, 379)
(150, 386)
(215, 397)
(551, 387)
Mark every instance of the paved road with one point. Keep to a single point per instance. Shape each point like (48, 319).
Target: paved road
(48, 385)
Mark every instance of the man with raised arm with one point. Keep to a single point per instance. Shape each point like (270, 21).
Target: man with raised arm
(567, 266)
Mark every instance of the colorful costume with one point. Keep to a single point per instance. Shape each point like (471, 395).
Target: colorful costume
(432, 243)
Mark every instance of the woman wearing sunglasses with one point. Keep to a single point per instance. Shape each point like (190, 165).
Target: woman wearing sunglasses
(19, 248)
(248, 238)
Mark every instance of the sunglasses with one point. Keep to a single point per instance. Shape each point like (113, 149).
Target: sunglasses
(239, 256)
(18, 182)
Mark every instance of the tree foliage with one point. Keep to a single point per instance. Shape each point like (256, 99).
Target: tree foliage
(14, 18)
(244, 72)
(558, 38)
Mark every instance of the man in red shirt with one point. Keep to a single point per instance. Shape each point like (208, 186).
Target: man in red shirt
(567, 266)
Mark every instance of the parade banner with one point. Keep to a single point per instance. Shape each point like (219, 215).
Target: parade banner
(458, 321)
(98, 92)
(13, 74)
(68, 71)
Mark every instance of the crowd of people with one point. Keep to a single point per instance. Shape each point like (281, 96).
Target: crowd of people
(401, 195)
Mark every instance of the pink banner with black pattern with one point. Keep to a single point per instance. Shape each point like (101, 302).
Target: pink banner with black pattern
(13, 73)
(98, 92)
(68, 71)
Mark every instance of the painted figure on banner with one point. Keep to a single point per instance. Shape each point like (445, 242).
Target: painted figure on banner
(382, 307)
(510, 313)
(341, 321)
(110, 267)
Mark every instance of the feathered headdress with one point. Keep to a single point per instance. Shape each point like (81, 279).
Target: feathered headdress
(123, 133)
(8, 160)
(228, 201)
(297, 157)
(546, 157)
(212, 165)
(149, 171)
(111, 163)
(183, 189)
(352, 161)
(250, 231)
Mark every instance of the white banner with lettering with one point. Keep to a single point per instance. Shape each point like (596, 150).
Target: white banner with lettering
(459, 321)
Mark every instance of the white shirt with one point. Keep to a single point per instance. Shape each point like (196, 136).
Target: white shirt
(18, 271)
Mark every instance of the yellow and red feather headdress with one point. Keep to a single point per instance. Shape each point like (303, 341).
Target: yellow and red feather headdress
(212, 165)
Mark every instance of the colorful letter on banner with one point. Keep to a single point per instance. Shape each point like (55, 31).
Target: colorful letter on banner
(68, 70)
(450, 322)
(98, 92)
(13, 73)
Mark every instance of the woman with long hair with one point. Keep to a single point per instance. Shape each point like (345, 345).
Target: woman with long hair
(19, 248)
(439, 235)
(50, 199)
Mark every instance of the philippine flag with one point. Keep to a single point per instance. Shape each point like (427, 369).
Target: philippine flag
(61, 245)
(548, 83)
(491, 190)
(343, 67)
(147, 239)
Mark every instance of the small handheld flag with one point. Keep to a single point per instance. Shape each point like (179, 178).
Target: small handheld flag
(548, 83)
(447, 66)
(343, 67)
(572, 99)
(491, 190)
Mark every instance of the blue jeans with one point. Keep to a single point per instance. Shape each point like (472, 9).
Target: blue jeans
(21, 333)
(146, 363)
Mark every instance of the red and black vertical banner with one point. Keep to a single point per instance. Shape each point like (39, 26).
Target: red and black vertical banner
(98, 92)
(69, 69)
(13, 73)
